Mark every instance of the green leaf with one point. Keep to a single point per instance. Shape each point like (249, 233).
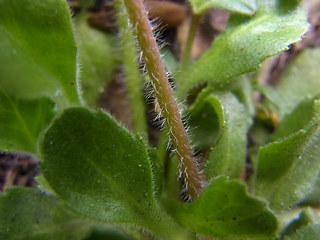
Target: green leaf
(306, 217)
(228, 155)
(306, 113)
(225, 210)
(22, 121)
(313, 198)
(38, 53)
(206, 120)
(247, 7)
(30, 214)
(309, 232)
(104, 172)
(96, 59)
(288, 168)
(242, 47)
(300, 80)
(243, 90)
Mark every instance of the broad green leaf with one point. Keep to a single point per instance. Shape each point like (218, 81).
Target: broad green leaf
(247, 7)
(242, 47)
(288, 168)
(30, 214)
(309, 232)
(313, 198)
(96, 59)
(306, 113)
(104, 172)
(306, 217)
(228, 155)
(22, 121)
(225, 210)
(38, 53)
(300, 80)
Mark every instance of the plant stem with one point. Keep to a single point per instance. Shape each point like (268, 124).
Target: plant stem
(131, 69)
(164, 94)
(185, 57)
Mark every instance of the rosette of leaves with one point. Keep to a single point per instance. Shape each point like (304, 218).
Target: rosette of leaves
(100, 181)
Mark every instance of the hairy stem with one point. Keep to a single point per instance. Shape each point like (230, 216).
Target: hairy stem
(185, 57)
(165, 98)
(134, 79)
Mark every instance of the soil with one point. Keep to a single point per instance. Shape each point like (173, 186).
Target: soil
(17, 169)
(174, 18)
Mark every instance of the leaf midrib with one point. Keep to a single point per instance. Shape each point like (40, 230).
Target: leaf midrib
(28, 132)
(287, 175)
(40, 66)
(110, 178)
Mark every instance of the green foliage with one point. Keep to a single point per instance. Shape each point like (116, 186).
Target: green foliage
(288, 168)
(244, 45)
(306, 217)
(100, 181)
(224, 209)
(247, 7)
(309, 232)
(100, 174)
(300, 80)
(228, 155)
(22, 121)
(96, 59)
(313, 198)
(89, 173)
(206, 117)
(38, 53)
(303, 116)
(225, 119)
(31, 214)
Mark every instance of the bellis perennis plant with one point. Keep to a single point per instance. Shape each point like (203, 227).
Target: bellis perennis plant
(99, 180)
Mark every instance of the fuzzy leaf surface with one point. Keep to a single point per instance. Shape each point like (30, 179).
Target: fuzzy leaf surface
(30, 214)
(309, 232)
(38, 53)
(243, 46)
(288, 168)
(225, 210)
(207, 119)
(106, 173)
(313, 198)
(300, 80)
(247, 7)
(228, 155)
(306, 217)
(302, 117)
(22, 121)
